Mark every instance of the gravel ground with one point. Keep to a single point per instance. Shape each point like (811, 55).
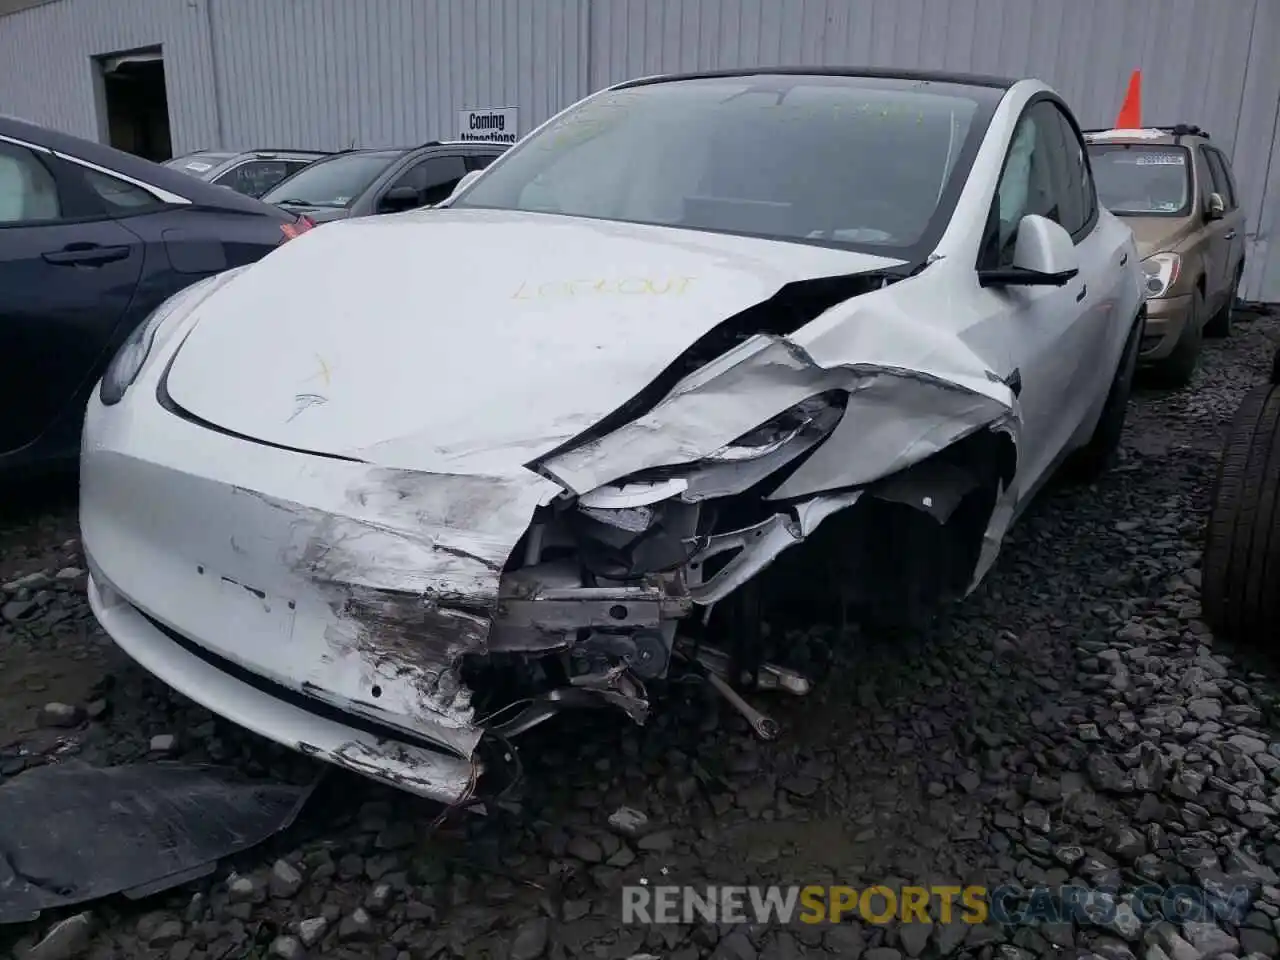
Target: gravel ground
(1072, 721)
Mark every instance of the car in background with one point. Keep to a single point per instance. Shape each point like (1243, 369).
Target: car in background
(251, 172)
(360, 183)
(92, 240)
(1176, 191)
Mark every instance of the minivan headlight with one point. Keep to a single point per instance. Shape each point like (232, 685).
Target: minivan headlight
(1161, 271)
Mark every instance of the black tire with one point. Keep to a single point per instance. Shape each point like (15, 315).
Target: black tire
(1177, 368)
(1221, 323)
(1092, 460)
(1240, 575)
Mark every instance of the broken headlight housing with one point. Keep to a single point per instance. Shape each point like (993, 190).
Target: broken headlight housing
(815, 416)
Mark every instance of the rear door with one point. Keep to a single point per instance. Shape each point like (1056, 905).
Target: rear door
(1218, 234)
(68, 274)
(1234, 221)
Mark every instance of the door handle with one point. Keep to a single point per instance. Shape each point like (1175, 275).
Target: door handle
(1229, 235)
(1080, 296)
(1124, 258)
(85, 255)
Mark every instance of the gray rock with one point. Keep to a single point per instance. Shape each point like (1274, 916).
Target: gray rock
(357, 925)
(242, 889)
(59, 715)
(585, 849)
(164, 743)
(166, 934)
(1246, 744)
(287, 948)
(914, 937)
(285, 880)
(311, 930)
(1258, 941)
(530, 940)
(736, 946)
(1209, 939)
(66, 940)
(628, 822)
(882, 953)
(1202, 708)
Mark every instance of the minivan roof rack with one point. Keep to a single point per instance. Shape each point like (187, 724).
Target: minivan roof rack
(1175, 130)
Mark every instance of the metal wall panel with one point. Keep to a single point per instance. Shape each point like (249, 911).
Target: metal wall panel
(329, 73)
(332, 73)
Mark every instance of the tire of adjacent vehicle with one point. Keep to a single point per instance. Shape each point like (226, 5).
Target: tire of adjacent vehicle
(1092, 460)
(1220, 324)
(1176, 369)
(1240, 575)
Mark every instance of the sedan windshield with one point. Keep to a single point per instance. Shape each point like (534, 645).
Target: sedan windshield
(334, 182)
(1141, 179)
(845, 161)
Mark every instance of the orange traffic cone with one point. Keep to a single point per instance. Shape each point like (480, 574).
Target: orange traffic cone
(1130, 116)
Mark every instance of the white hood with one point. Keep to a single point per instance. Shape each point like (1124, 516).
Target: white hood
(475, 339)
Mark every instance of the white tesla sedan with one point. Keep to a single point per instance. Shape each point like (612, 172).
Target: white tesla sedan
(412, 484)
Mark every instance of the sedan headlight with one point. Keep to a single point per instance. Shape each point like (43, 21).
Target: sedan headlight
(814, 416)
(132, 355)
(1161, 271)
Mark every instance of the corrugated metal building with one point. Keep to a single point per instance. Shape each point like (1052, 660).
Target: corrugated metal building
(329, 73)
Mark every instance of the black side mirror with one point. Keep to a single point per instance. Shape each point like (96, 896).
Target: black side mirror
(399, 198)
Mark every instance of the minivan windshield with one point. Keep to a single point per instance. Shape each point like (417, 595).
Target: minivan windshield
(845, 161)
(332, 182)
(1142, 179)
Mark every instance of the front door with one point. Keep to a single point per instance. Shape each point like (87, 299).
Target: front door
(66, 283)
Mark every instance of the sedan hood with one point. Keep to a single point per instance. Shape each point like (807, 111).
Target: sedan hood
(466, 341)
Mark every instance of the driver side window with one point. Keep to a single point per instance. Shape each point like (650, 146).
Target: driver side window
(1033, 181)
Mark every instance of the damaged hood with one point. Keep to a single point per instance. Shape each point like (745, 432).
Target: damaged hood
(466, 341)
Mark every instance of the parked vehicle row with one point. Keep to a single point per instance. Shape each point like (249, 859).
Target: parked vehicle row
(251, 172)
(360, 183)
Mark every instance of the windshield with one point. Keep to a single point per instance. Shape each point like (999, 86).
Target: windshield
(845, 161)
(1142, 179)
(331, 183)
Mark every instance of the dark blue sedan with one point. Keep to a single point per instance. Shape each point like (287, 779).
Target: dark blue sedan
(91, 241)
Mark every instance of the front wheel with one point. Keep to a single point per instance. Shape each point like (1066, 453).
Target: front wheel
(1092, 460)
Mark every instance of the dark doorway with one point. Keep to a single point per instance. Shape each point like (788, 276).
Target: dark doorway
(136, 105)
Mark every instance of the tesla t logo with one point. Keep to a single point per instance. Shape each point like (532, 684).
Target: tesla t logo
(323, 371)
(305, 401)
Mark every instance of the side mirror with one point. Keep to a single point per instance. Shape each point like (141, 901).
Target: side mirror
(1216, 207)
(466, 179)
(399, 198)
(1043, 255)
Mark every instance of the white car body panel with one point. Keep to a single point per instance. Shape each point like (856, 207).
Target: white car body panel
(376, 411)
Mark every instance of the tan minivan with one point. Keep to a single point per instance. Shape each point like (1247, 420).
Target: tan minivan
(1175, 189)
